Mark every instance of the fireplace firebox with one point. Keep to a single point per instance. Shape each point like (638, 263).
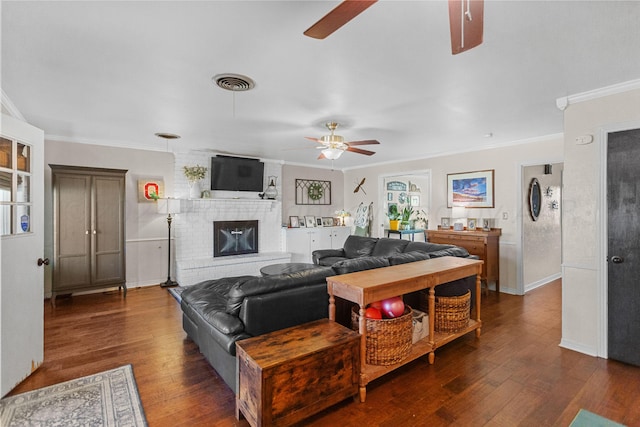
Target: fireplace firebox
(235, 238)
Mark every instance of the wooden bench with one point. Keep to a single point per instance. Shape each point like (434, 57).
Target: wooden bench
(288, 375)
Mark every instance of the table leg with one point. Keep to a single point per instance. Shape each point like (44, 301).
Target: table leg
(432, 323)
(362, 329)
(332, 303)
(478, 298)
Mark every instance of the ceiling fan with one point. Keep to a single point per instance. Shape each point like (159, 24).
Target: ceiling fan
(466, 21)
(333, 145)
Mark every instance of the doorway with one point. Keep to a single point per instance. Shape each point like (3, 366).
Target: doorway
(410, 189)
(541, 231)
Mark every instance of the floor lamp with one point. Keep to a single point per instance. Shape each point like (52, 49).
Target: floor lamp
(169, 207)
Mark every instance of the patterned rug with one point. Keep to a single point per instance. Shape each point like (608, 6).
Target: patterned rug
(589, 419)
(108, 398)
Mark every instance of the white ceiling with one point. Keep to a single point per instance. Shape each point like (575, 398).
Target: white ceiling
(117, 72)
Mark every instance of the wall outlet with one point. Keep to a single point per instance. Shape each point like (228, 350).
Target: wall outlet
(505, 215)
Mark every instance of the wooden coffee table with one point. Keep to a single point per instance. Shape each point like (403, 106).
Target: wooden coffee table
(365, 287)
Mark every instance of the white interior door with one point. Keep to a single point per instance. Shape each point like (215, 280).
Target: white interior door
(21, 226)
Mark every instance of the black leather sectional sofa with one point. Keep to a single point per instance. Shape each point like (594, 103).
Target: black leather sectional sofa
(217, 313)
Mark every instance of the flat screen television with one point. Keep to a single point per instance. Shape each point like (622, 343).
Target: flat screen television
(236, 174)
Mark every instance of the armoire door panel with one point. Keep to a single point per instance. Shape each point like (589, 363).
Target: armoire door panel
(108, 214)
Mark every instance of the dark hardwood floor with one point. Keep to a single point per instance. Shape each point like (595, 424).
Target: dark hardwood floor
(514, 374)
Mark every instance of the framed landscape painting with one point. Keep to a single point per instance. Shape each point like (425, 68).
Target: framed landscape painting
(470, 189)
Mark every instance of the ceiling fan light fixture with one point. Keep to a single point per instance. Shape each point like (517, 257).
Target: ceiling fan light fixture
(332, 153)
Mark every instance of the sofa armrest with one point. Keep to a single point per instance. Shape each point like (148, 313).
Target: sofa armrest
(318, 254)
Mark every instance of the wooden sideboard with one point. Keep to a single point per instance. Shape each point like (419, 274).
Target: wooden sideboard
(484, 244)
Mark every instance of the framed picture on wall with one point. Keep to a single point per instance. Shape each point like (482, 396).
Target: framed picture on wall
(319, 221)
(470, 189)
(444, 222)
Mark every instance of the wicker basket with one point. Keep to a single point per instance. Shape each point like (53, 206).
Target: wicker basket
(388, 340)
(452, 313)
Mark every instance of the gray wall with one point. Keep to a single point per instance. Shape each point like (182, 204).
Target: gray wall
(146, 230)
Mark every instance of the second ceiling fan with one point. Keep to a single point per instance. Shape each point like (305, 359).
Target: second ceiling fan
(466, 21)
(333, 145)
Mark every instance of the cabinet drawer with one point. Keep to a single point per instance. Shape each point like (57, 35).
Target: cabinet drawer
(474, 248)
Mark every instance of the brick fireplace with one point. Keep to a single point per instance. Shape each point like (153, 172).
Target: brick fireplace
(194, 235)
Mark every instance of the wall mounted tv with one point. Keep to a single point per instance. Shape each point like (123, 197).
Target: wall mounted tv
(236, 174)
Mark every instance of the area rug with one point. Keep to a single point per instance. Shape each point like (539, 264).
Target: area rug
(589, 419)
(176, 292)
(108, 398)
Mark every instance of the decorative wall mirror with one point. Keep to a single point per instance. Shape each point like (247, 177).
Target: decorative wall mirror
(535, 198)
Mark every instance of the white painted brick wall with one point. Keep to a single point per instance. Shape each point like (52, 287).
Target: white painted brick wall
(193, 227)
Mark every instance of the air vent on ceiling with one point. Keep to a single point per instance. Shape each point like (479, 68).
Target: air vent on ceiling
(233, 82)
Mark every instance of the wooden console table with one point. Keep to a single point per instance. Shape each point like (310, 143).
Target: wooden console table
(365, 287)
(484, 244)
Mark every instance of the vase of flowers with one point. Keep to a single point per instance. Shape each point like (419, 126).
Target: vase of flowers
(194, 175)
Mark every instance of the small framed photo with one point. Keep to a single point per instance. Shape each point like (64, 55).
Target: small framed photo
(444, 222)
(310, 221)
(327, 221)
(389, 197)
(336, 222)
(414, 201)
(293, 222)
(319, 221)
(301, 222)
(472, 223)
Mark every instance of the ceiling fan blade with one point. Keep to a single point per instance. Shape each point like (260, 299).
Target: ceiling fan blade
(321, 156)
(313, 139)
(466, 21)
(361, 151)
(365, 142)
(340, 15)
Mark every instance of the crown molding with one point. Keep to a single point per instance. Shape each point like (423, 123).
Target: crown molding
(563, 102)
(10, 107)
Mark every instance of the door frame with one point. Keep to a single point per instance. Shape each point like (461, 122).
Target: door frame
(603, 267)
(521, 212)
(382, 194)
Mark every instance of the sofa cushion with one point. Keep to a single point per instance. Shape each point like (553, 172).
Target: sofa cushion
(425, 247)
(330, 260)
(319, 254)
(359, 264)
(359, 246)
(268, 284)
(408, 257)
(387, 247)
(452, 251)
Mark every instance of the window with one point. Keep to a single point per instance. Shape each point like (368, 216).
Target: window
(15, 187)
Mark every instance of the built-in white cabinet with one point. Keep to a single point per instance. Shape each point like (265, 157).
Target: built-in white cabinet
(301, 242)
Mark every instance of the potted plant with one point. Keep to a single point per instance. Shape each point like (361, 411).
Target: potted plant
(406, 217)
(194, 174)
(394, 217)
